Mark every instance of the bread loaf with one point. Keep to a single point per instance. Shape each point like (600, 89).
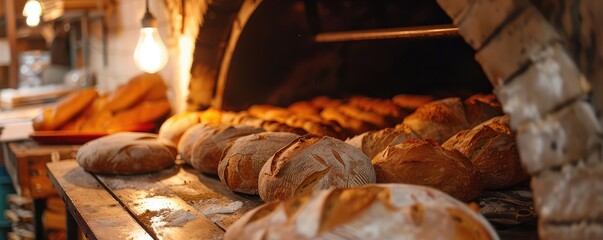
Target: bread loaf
(374, 142)
(411, 101)
(356, 126)
(207, 148)
(133, 92)
(323, 102)
(424, 162)
(304, 107)
(127, 153)
(173, 128)
(242, 160)
(438, 120)
(480, 108)
(313, 162)
(143, 112)
(366, 116)
(491, 149)
(377, 211)
(382, 107)
(52, 118)
(189, 137)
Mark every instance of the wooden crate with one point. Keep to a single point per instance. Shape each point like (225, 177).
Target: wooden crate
(26, 163)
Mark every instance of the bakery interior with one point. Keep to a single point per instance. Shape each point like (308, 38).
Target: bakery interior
(301, 119)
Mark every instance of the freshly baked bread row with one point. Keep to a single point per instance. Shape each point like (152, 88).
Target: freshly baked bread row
(492, 150)
(377, 211)
(311, 124)
(440, 120)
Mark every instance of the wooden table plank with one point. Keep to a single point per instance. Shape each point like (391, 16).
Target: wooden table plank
(160, 202)
(99, 215)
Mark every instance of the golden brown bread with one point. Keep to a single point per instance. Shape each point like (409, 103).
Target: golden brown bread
(438, 120)
(242, 160)
(323, 102)
(173, 128)
(382, 107)
(52, 118)
(354, 125)
(373, 142)
(492, 150)
(127, 153)
(305, 108)
(424, 162)
(372, 118)
(190, 135)
(313, 162)
(480, 108)
(208, 146)
(144, 112)
(376, 211)
(133, 92)
(411, 101)
(309, 123)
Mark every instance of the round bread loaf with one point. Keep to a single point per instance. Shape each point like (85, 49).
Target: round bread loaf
(438, 120)
(187, 141)
(313, 162)
(127, 153)
(174, 127)
(374, 142)
(377, 211)
(491, 148)
(424, 162)
(209, 145)
(243, 159)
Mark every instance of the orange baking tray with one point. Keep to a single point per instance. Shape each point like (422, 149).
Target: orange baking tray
(75, 137)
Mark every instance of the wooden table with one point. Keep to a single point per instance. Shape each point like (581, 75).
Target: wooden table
(181, 203)
(176, 203)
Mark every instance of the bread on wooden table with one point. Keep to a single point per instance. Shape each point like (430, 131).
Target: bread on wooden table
(242, 160)
(438, 120)
(373, 142)
(424, 162)
(208, 146)
(492, 150)
(376, 211)
(480, 108)
(411, 102)
(66, 109)
(127, 153)
(173, 128)
(189, 137)
(313, 162)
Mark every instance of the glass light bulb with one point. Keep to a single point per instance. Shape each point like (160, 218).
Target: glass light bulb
(150, 54)
(32, 21)
(32, 8)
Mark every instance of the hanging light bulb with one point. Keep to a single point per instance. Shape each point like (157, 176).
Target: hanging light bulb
(32, 10)
(32, 21)
(150, 54)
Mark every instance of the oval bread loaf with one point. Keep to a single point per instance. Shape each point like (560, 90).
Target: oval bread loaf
(377, 211)
(373, 142)
(127, 153)
(438, 120)
(189, 137)
(173, 128)
(312, 162)
(492, 150)
(243, 159)
(208, 146)
(424, 162)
